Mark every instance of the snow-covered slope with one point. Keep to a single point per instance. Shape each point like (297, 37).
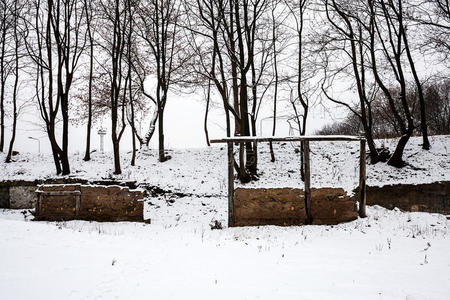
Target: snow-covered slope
(388, 255)
(203, 170)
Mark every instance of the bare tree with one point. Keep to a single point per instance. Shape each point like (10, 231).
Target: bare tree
(132, 93)
(205, 122)
(240, 39)
(159, 28)
(116, 19)
(55, 47)
(437, 99)
(5, 69)
(390, 31)
(89, 15)
(433, 16)
(15, 11)
(348, 39)
(212, 29)
(305, 70)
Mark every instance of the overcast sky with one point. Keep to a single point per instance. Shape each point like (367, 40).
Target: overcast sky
(183, 121)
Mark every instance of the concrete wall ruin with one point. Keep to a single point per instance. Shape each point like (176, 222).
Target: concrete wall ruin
(433, 197)
(20, 194)
(286, 206)
(89, 202)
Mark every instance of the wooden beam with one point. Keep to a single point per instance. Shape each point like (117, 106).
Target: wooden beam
(362, 178)
(58, 193)
(230, 185)
(307, 167)
(315, 138)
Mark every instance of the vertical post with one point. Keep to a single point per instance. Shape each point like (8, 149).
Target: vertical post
(362, 178)
(230, 185)
(306, 165)
(77, 203)
(38, 204)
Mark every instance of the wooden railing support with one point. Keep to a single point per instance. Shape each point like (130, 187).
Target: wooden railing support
(230, 185)
(307, 168)
(362, 178)
(306, 165)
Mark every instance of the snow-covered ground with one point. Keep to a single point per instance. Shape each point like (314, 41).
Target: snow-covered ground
(389, 255)
(203, 171)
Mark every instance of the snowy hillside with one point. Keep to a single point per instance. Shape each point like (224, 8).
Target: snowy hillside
(389, 255)
(203, 170)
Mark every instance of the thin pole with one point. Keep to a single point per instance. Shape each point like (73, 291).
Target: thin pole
(230, 185)
(362, 179)
(306, 164)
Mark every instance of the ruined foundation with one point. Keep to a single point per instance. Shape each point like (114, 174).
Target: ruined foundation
(89, 202)
(286, 206)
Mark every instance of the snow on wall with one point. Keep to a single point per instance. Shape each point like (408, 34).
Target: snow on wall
(203, 171)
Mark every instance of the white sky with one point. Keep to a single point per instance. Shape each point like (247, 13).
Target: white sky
(183, 121)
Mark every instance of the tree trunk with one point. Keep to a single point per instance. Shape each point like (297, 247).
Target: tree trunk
(13, 136)
(116, 150)
(374, 157)
(115, 141)
(16, 83)
(87, 155)
(235, 86)
(423, 118)
(64, 156)
(275, 94)
(161, 154)
(133, 156)
(2, 91)
(152, 127)
(205, 122)
(396, 159)
(55, 148)
(65, 163)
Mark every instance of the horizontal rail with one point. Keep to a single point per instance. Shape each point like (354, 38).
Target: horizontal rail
(313, 138)
(58, 193)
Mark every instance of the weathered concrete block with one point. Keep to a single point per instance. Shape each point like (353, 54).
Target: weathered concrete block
(4, 196)
(286, 206)
(278, 206)
(330, 206)
(432, 197)
(93, 203)
(22, 196)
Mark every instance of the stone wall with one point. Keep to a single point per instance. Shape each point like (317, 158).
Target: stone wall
(286, 206)
(4, 196)
(433, 197)
(20, 194)
(89, 202)
(17, 194)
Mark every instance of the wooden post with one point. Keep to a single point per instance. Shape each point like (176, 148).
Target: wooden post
(362, 179)
(38, 205)
(307, 169)
(230, 185)
(77, 204)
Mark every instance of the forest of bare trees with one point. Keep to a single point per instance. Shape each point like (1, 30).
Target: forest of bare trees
(124, 59)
